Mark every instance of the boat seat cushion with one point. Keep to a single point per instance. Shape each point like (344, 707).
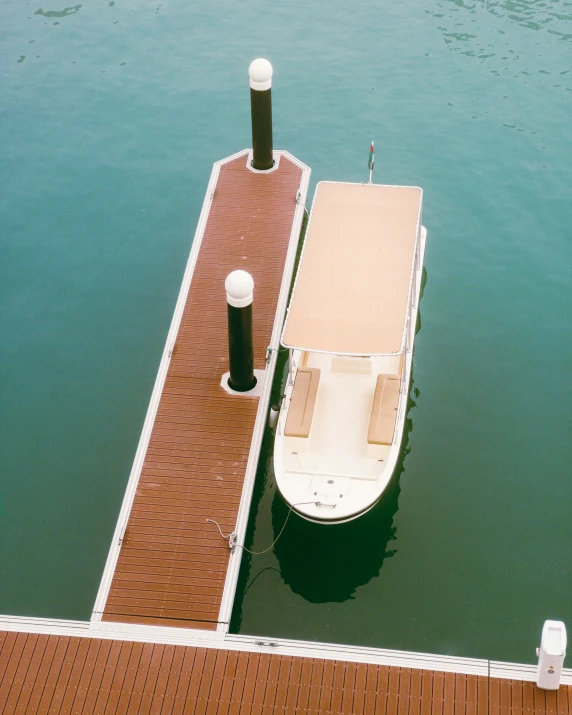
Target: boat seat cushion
(384, 410)
(303, 402)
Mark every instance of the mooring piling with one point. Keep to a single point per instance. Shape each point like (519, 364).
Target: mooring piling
(239, 296)
(260, 73)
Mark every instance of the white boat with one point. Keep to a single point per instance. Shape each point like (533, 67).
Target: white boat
(350, 329)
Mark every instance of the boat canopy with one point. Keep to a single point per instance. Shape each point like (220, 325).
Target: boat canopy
(353, 284)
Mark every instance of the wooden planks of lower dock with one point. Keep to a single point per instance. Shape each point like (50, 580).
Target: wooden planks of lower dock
(61, 674)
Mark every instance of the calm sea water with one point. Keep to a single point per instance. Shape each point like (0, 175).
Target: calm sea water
(111, 116)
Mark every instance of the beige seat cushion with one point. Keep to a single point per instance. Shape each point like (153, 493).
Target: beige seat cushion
(384, 410)
(303, 402)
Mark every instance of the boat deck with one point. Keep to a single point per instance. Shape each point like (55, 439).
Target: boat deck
(172, 564)
(61, 674)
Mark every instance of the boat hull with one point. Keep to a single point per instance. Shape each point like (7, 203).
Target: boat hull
(333, 521)
(297, 486)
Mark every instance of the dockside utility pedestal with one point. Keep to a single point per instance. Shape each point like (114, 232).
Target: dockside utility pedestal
(551, 655)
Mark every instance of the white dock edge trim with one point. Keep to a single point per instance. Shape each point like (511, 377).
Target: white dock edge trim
(233, 570)
(123, 518)
(278, 646)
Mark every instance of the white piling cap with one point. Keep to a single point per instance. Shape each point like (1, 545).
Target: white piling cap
(554, 638)
(260, 73)
(239, 289)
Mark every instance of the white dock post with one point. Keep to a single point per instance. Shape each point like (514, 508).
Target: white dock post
(551, 655)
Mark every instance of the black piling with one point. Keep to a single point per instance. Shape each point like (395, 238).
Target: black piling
(260, 72)
(239, 295)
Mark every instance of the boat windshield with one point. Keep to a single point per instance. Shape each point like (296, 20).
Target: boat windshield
(351, 293)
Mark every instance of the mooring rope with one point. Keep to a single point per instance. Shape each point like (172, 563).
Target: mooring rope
(232, 537)
(212, 521)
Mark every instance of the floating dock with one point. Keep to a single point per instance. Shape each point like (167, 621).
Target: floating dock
(158, 639)
(199, 447)
(48, 666)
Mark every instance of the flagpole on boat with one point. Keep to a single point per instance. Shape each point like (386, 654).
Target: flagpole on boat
(370, 163)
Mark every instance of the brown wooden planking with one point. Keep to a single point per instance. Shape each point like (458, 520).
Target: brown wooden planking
(303, 685)
(426, 692)
(11, 654)
(283, 685)
(226, 687)
(482, 696)
(494, 696)
(198, 449)
(62, 675)
(238, 683)
(243, 695)
(99, 695)
(564, 701)
(160, 621)
(505, 697)
(51, 655)
(178, 686)
(404, 691)
(375, 687)
(57, 682)
(348, 687)
(392, 691)
(416, 680)
(256, 687)
(449, 694)
(326, 688)
(215, 686)
(360, 694)
(26, 676)
(443, 689)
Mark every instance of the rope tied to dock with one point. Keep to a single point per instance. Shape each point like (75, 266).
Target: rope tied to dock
(270, 350)
(233, 536)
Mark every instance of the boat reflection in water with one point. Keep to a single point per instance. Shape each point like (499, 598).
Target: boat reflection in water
(320, 565)
(328, 565)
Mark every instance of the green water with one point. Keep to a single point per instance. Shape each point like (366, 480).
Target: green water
(111, 114)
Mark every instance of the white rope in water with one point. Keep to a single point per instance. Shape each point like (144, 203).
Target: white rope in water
(232, 536)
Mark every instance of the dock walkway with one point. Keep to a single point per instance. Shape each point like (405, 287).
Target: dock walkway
(167, 565)
(42, 673)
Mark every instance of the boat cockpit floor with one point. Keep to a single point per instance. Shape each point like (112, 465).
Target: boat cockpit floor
(337, 444)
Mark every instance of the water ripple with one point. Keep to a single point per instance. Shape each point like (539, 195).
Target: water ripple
(59, 13)
(491, 32)
(531, 14)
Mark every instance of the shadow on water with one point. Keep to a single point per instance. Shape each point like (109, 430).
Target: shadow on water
(325, 564)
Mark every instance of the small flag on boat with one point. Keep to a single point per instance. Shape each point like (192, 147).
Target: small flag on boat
(370, 160)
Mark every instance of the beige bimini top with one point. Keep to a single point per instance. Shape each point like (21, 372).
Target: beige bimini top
(352, 288)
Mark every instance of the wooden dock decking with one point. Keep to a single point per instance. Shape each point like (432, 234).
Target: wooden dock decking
(172, 564)
(62, 674)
